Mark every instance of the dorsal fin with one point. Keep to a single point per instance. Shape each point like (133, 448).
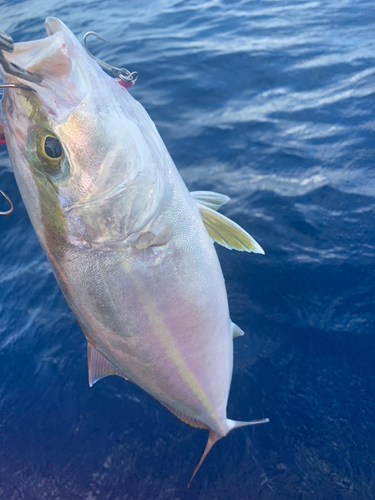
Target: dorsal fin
(227, 233)
(210, 199)
(99, 366)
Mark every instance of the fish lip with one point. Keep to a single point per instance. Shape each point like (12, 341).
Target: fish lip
(31, 55)
(53, 25)
(60, 60)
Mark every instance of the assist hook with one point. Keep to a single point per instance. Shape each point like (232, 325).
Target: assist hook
(7, 44)
(2, 140)
(10, 202)
(122, 73)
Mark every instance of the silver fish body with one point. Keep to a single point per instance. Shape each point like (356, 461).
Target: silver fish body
(131, 248)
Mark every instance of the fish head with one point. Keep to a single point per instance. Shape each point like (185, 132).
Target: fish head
(85, 154)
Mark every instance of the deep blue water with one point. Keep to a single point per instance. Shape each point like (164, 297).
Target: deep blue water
(272, 103)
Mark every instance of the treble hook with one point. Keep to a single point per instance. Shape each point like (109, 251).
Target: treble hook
(15, 86)
(11, 204)
(122, 73)
(7, 44)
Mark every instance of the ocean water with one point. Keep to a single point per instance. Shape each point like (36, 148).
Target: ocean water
(272, 103)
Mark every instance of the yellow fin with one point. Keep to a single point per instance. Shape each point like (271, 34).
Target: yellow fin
(237, 332)
(227, 233)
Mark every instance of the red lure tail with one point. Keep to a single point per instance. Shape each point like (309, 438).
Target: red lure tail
(2, 138)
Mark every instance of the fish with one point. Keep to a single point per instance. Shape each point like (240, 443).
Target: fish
(131, 248)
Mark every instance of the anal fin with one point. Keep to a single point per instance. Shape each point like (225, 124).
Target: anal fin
(99, 366)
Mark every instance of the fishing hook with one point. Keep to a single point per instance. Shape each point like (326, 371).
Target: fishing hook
(7, 44)
(15, 86)
(122, 73)
(11, 204)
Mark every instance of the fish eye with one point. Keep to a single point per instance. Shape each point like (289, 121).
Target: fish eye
(46, 151)
(51, 147)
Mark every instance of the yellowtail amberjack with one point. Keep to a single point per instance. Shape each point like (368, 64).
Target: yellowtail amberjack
(131, 248)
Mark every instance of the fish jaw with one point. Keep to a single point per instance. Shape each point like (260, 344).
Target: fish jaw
(68, 73)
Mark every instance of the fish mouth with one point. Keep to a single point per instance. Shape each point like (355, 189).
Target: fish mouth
(50, 56)
(53, 25)
(61, 62)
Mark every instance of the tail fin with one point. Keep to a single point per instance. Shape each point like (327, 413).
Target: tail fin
(233, 424)
(214, 437)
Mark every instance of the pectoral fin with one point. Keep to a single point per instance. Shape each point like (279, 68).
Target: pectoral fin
(210, 199)
(99, 366)
(227, 233)
(149, 239)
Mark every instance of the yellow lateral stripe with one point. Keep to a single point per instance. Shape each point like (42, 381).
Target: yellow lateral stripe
(160, 329)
